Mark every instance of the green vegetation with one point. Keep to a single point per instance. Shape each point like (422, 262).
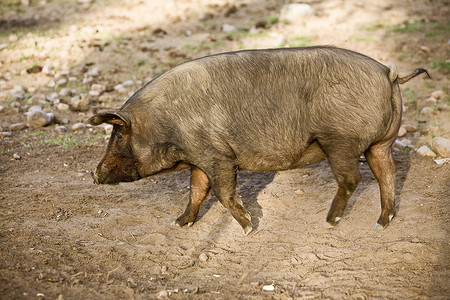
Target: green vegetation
(441, 64)
(409, 26)
(298, 41)
(272, 20)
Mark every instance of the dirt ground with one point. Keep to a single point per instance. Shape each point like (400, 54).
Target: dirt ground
(62, 237)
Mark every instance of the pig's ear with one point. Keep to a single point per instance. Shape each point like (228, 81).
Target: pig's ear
(114, 117)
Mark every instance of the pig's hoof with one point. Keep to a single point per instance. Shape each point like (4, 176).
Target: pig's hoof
(378, 227)
(334, 222)
(247, 230)
(185, 220)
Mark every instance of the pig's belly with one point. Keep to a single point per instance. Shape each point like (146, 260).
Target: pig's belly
(280, 160)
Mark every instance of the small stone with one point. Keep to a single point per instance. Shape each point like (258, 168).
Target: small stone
(163, 294)
(62, 106)
(78, 126)
(94, 72)
(410, 127)
(425, 152)
(98, 88)
(13, 38)
(415, 240)
(128, 83)
(64, 92)
(401, 131)
(106, 98)
(2, 108)
(38, 118)
(34, 69)
(437, 94)
(61, 129)
(269, 288)
(430, 101)
(406, 142)
(296, 11)
(52, 96)
(121, 89)
(17, 126)
(108, 128)
(441, 146)
(94, 94)
(87, 80)
(61, 81)
(164, 269)
(299, 192)
(227, 28)
(442, 161)
(79, 102)
(399, 145)
(426, 111)
(73, 78)
(5, 134)
(203, 257)
(47, 70)
(425, 49)
(17, 156)
(3, 46)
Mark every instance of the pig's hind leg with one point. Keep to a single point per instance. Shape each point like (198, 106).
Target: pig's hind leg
(200, 187)
(379, 158)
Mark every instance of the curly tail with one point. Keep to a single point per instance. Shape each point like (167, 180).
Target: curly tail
(393, 75)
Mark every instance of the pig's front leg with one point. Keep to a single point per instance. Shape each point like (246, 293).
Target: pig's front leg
(199, 190)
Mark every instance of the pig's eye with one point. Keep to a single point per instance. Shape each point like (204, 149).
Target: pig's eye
(119, 136)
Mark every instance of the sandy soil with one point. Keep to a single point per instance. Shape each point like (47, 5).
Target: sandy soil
(61, 237)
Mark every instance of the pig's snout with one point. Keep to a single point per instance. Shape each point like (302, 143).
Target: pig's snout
(94, 177)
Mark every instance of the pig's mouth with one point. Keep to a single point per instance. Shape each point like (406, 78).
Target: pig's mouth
(112, 179)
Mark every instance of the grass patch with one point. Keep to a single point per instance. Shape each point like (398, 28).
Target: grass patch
(441, 64)
(298, 41)
(409, 26)
(61, 141)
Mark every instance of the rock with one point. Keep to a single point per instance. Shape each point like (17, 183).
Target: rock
(94, 72)
(401, 131)
(79, 103)
(410, 127)
(61, 129)
(269, 288)
(34, 69)
(64, 92)
(47, 70)
(106, 98)
(399, 145)
(407, 142)
(295, 11)
(2, 108)
(38, 118)
(299, 192)
(121, 89)
(62, 106)
(17, 156)
(13, 38)
(426, 111)
(442, 161)
(128, 83)
(18, 92)
(437, 94)
(73, 78)
(5, 134)
(94, 94)
(17, 126)
(162, 294)
(227, 28)
(441, 146)
(430, 101)
(52, 96)
(108, 128)
(3, 46)
(78, 126)
(426, 152)
(61, 81)
(98, 88)
(203, 257)
(87, 80)
(34, 107)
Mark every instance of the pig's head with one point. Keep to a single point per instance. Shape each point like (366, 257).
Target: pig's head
(119, 163)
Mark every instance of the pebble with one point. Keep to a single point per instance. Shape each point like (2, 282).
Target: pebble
(426, 111)
(163, 294)
(410, 127)
(61, 129)
(121, 89)
(94, 71)
(52, 96)
(401, 131)
(425, 152)
(437, 94)
(62, 106)
(64, 92)
(18, 92)
(13, 38)
(430, 101)
(78, 126)
(128, 83)
(442, 161)
(61, 81)
(106, 98)
(269, 288)
(47, 70)
(79, 103)
(38, 118)
(108, 128)
(17, 156)
(203, 257)
(94, 94)
(407, 142)
(441, 146)
(227, 28)
(295, 11)
(3, 46)
(164, 269)
(17, 126)
(98, 88)
(2, 108)
(5, 134)
(299, 192)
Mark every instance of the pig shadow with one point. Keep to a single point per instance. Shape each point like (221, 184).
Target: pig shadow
(249, 185)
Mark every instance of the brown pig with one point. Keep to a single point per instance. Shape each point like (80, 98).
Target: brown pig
(260, 110)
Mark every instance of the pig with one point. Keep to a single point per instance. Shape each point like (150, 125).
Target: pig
(260, 110)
